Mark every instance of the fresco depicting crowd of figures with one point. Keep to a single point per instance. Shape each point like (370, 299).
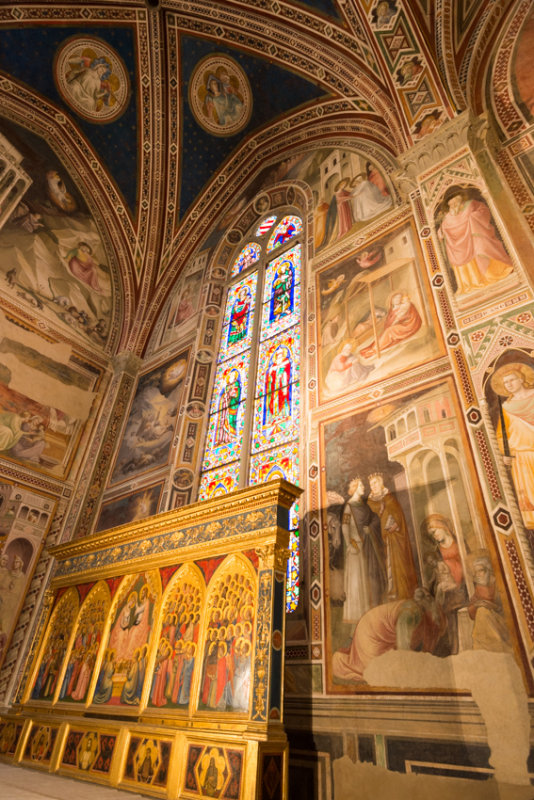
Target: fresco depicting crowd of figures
(143, 646)
(376, 318)
(409, 564)
(53, 256)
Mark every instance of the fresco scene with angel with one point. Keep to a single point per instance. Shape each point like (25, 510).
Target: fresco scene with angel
(375, 315)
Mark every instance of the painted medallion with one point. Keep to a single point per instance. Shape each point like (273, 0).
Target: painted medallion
(92, 79)
(220, 96)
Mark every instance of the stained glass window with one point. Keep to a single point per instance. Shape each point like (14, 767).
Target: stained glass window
(254, 412)
(265, 226)
(246, 258)
(238, 317)
(286, 229)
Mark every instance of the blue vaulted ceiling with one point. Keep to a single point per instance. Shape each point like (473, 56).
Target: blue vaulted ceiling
(27, 54)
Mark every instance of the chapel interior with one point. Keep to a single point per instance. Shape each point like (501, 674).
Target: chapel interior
(248, 244)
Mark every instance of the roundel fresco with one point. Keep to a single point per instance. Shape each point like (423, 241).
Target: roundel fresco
(220, 95)
(92, 79)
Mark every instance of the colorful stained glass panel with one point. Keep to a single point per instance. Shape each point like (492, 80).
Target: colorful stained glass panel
(265, 226)
(231, 381)
(248, 256)
(219, 482)
(286, 229)
(281, 462)
(225, 435)
(278, 361)
(293, 565)
(281, 295)
(276, 418)
(238, 318)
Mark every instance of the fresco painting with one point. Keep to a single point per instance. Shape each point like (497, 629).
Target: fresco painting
(44, 400)
(220, 96)
(375, 316)
(53, 257)
(523, 69)
(92, 79)
(151, 422)
(24, 521)
(130, 508)
(472, 247)
(122, 671)
(348, 189)
(409, 562)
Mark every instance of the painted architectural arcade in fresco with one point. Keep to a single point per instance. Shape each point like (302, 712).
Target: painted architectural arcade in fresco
(246, 245)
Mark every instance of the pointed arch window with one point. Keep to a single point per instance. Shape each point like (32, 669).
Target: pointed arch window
(253, 426)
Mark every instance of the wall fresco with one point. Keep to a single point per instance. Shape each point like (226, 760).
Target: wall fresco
(24, 522)
(151, 422)
(54, 260)
(130, 507)
(408, 548)
(375, 314)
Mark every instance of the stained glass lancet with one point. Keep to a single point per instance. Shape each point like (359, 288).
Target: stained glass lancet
(256, 395)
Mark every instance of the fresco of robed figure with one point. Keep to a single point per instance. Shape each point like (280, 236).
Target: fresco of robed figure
(407, 544)
(509, 387)
(475, 254)
(375, 316)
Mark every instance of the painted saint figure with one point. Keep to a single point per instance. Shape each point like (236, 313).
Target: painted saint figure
(365, 567)
(89, 84)
(485, 609)
(83, 266)
(222, 103)
(401, 574)
(409, 624)
(229, 399)
(515, 431)
(474, 250)
(402, 322)
(239, 319)
(277, 402)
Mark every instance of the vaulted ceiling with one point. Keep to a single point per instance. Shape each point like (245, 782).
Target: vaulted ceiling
(154, 177)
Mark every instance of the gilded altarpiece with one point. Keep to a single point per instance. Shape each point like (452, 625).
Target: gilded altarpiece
(160, 666)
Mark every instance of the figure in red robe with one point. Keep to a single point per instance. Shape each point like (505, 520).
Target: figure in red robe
(278, 387)
(402, 322)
